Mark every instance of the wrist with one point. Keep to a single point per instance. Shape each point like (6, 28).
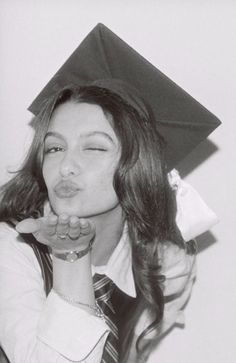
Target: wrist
(72, 255)
(74, 279)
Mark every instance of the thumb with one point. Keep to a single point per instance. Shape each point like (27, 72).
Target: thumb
(28, 225)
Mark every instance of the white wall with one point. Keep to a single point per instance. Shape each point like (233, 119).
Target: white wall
(194, 43)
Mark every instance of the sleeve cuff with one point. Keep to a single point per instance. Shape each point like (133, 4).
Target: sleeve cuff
(70, 330)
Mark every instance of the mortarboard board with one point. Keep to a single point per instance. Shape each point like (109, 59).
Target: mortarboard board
(105, 60)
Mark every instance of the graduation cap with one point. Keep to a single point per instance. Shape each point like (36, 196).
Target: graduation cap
(103, 59)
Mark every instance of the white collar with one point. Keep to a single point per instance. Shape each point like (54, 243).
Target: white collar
(119, 266)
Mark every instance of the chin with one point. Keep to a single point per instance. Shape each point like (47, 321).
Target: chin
(82, 211)
(71, 210)
(60, 208)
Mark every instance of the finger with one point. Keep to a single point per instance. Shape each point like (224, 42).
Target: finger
(62, 225)
(86, 226)
(29, 225)
(74, 228)
(49, 225)
(87, 231)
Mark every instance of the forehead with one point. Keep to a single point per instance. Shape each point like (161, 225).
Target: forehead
(80, 118)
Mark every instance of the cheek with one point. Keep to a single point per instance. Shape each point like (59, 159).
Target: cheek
(48, 174)
(102, 180)
(107, 173)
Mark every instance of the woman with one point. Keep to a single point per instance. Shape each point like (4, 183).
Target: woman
(96, 270)
(100, 165)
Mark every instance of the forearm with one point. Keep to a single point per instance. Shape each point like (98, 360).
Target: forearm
(45, 329)
(74, 280)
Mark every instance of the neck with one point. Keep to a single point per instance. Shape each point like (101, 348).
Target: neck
(109, 227)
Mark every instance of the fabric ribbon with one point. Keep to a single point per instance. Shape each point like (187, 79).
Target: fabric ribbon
(193, 217)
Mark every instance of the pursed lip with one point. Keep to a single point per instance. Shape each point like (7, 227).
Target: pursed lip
(66, 189)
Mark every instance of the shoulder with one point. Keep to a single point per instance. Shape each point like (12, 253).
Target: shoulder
(14, 251)
(8, 236)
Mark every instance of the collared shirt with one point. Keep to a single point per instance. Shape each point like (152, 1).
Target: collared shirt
(35, 328)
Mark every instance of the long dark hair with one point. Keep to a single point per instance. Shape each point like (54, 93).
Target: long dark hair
(142, 187)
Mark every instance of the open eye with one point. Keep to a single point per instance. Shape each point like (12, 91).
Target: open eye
(53, 149)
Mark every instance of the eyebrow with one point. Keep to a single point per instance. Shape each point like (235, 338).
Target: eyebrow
(87, 134)
(99, 133)
(54, 134)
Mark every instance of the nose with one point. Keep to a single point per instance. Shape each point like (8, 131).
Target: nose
(69, 166)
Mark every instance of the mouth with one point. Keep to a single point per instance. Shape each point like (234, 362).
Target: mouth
(66, 189)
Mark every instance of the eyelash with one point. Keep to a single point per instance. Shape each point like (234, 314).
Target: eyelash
(54, 149)
(96, 148)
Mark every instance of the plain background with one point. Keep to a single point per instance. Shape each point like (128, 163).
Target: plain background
(192, 42)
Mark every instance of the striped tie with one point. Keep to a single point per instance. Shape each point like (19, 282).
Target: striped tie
(103, 288)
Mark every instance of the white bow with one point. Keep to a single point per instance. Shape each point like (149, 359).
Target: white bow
(193, 216)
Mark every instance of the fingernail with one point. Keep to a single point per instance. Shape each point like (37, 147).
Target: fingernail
(18, 229)
(74, 220)
(83, 222)
(63, 217)
(52, 219)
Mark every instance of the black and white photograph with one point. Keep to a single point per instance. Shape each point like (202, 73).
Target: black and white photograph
(117, 181)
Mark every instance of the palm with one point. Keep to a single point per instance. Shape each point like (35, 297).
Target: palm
(61, 234)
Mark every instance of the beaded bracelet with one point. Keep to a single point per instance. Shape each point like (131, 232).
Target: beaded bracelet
(95, 308)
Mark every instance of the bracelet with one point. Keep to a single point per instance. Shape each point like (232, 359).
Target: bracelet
(95, 308)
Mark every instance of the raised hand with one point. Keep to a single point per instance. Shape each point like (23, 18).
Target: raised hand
(62, 233)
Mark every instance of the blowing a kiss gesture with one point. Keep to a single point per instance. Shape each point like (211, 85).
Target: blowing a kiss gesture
(62, 233)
